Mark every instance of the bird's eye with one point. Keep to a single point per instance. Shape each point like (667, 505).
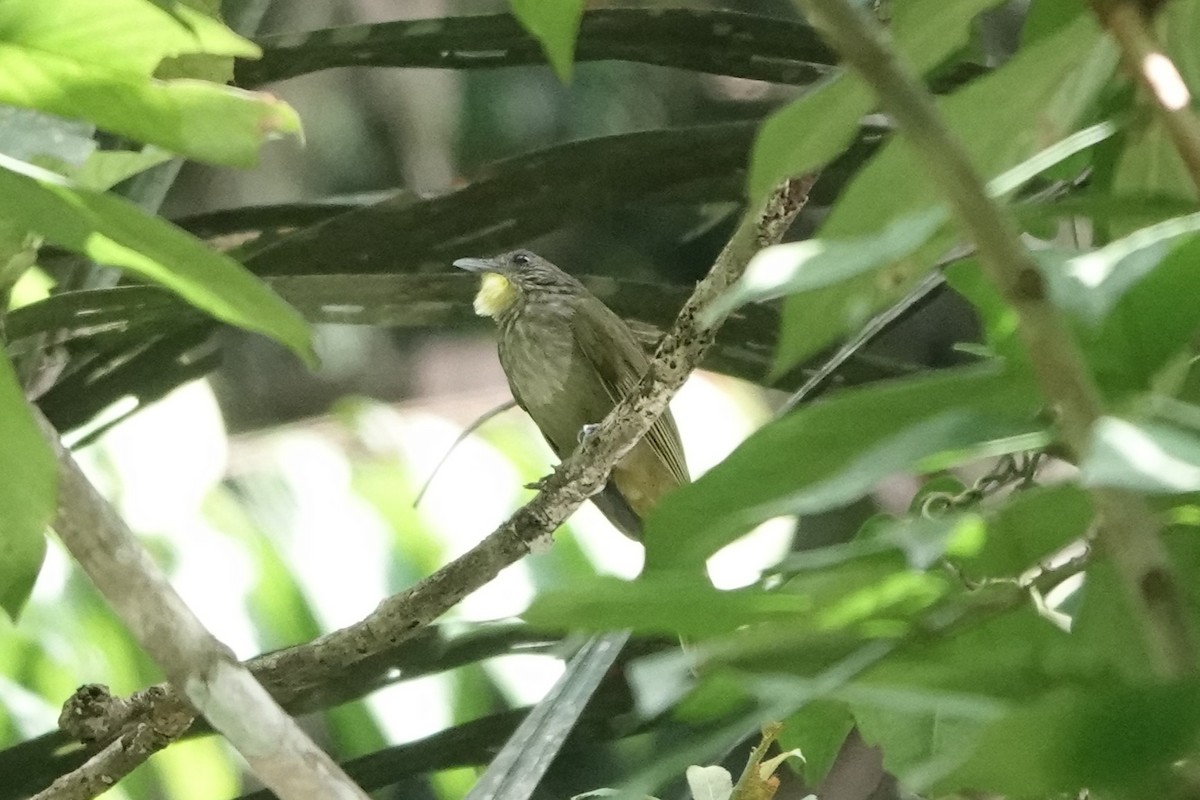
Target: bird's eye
(521, 258)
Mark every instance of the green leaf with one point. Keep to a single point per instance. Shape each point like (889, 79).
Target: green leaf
(1131, 210)
(1030, 526)
(1090, 285)
(925, 540)
(1151, 457)
(133, 35)
(1150, 164)
(1106, 638)
(88, 59)
(832, 452)
(818, 730)
(202, 66)
(27, 494)
(104, 169)
(1181, 31)
(1045, 17)
(1003, 658)
(874, 590)
(661, 603)
(1102, 736)
(1133, 300)
(998, 318)
(815, 263)
(1001, 119)
(810, 131)
(927, 700)
(920, 743)
(555, 24)
(1056, 155)
(115, 232)
(1139, 321)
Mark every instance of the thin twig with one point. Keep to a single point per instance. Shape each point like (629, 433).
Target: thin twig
(1129, 530)
(475, 425)
(1154, 70)
(119, 758)
(198, 666)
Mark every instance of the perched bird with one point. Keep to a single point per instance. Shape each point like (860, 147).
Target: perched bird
(569, 359)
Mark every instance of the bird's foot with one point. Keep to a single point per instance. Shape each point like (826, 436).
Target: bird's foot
(539, 484)
(587, 431)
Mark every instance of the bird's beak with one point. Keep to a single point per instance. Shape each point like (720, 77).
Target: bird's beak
(476, 264)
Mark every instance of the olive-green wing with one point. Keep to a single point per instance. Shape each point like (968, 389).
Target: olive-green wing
(608, 343)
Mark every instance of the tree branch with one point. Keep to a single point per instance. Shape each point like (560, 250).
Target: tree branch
(198, 666)
(1129, 530)
(1154, 70)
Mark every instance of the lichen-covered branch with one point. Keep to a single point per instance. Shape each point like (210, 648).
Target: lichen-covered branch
(198, 666)
(1128, 529)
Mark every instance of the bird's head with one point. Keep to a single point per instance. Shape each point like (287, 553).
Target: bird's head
(510, 279)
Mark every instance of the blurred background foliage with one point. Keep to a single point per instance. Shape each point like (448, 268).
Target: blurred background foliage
(281, 500)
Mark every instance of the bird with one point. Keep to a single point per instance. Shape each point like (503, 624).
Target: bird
(569, 359)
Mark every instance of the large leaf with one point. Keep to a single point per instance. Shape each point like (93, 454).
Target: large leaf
(1134, 303)
(873, 587)
(132, 35)
(818, 731)
(1102, 736)
(1045, 17)
(1150, 164)
(815, 263)
(27, 493)
(1153, 457)
(555, 24)
(1091, 284)
(921, 734)
(115, 232)
(1001, 119)
(834, 451)
(1028, 528)
(810, 131)
(662, 603)
(927, 703)
(93, 59)
(823, 262)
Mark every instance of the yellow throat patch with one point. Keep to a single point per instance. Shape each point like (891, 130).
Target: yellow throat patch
(496, 294)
